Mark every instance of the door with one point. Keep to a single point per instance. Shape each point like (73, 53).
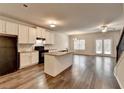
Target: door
(107, 46)
(104, 47)
(99, 47)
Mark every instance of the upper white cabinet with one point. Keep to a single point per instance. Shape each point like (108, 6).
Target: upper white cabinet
(49, 37)
(43, 33)
(52, 36)
(23, 34)
(32, 35)
(11, 28)
(2, 26)
(38, 32)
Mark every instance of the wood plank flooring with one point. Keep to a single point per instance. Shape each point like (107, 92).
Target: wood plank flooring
(87, 72)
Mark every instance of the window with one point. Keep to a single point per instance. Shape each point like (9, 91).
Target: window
(79, 44)
(107, 46)
(99, 46)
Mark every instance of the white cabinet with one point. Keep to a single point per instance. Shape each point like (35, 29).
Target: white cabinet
(11, 28)
(35, 57)
(25, 60)
(2, 26)
(49, 37)
(23, 34)
(28, 59)
(43, 33)
(32, 35)
(39, 33)
(52, 36)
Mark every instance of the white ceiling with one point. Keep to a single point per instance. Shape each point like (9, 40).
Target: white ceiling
(70, 18)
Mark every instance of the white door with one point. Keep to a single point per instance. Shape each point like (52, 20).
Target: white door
(99, 49)
(104, 47)
(107, 46)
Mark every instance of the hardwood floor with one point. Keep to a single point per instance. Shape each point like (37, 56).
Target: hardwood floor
(87, 72)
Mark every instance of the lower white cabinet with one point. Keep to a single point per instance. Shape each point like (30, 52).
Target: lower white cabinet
(25, 60)
(28, 59)
(34, 58)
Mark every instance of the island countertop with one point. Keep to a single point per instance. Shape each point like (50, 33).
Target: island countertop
(58, 53)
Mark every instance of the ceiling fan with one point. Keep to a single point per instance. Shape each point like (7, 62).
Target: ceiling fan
(105, 28)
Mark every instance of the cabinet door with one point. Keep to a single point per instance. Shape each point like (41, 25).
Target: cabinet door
(25, 60)
(32, 35)
(23, 34)
(47, 36)
(11, 28)
(35, 57)
(43, 33)
(38, 32)
(2, 26)
(52, 38)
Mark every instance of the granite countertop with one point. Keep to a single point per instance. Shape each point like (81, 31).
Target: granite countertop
(58, 53)
(27, 51)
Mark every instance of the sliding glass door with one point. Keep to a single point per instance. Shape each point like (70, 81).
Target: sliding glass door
(98, 46)
(107, 46)
(104, 47)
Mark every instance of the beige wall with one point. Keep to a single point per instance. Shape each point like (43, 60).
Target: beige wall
(90, 40)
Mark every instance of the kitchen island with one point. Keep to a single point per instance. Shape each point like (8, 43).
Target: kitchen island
(57, 62)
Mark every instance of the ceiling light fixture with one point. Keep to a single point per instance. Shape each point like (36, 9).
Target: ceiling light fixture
(104, 29)
(52, 24)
